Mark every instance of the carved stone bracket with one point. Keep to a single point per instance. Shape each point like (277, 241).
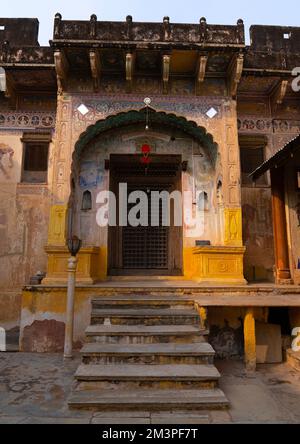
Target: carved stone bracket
(95, 63)
(10, 92)
(234, 74)
(62, 68)
(279, 93)
(201, 70)
(166, 72)
(130, 60)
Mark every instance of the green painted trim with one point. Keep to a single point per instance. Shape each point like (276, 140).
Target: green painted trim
(122, 119)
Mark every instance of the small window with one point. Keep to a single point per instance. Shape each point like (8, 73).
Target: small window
(251, 158)
(2, 28)
(35, 167)
(287, 35)
(220, 198)
(203, 204)
(86, 201)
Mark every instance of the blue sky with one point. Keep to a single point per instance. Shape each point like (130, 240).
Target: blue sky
(270, 12)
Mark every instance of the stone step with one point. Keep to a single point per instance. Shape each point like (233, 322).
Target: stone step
(145, 334)
(149, 400)
(95, 353)
(142, 376)
(144, 316)
(140, 301)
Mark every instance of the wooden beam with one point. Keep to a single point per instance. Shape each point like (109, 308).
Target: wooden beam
(166, 72)
(95, 63)
(201, 70)
(279, 93)
(130, 60)
(234, 74)
(62, 68)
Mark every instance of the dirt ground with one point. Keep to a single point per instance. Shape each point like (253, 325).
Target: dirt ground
(34, 389)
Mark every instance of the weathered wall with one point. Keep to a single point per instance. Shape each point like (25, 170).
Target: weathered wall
(226, 325)
(257, 120)
(258, 234)
(43, 318)
(24, 215)
(293, 211)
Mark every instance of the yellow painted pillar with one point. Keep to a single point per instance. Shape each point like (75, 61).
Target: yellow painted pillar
(250, 340)
(233, 227)
(57, 233)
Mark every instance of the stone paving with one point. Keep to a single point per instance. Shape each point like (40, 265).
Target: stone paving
(34, 389)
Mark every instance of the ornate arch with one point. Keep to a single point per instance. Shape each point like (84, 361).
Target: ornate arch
(170, 120)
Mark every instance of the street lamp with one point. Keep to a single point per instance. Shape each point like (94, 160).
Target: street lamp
(74, 245)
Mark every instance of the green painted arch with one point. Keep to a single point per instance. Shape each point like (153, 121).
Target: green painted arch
(129, 118)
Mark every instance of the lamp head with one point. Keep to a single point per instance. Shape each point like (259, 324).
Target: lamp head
(74, 245)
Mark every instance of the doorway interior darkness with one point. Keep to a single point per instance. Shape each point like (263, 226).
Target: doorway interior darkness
(145, 250)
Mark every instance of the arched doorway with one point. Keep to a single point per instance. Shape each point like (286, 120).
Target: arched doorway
(182, 157)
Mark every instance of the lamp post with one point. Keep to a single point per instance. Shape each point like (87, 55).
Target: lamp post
(74, 245)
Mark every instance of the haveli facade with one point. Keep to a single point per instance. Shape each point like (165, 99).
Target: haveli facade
(72, 123)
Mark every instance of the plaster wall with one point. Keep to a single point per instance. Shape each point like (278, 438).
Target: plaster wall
(293, 212)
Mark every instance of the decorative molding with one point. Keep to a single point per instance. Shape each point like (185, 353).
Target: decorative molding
(24, 120)
(248, 124)
(233, 227)
(57, 225)
(104, 106)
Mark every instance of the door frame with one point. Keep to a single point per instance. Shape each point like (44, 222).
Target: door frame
(175, 240)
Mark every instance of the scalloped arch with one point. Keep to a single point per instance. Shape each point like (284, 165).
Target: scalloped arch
(132, 117)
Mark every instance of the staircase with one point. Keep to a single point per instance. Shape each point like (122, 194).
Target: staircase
(146, 353)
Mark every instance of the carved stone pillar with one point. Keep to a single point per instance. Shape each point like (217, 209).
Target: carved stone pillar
(280, 225)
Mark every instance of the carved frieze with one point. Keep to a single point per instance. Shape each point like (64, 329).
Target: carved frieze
(105, 106)
(24, 120)
(266, 125)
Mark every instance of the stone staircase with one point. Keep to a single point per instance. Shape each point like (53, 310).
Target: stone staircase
(146, 353)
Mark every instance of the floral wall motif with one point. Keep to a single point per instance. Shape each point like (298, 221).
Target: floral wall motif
(24, 120)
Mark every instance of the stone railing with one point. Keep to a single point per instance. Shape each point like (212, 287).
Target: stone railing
(215, 35)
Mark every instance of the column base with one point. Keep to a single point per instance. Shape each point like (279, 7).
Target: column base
(216, 265)
(88, 269)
